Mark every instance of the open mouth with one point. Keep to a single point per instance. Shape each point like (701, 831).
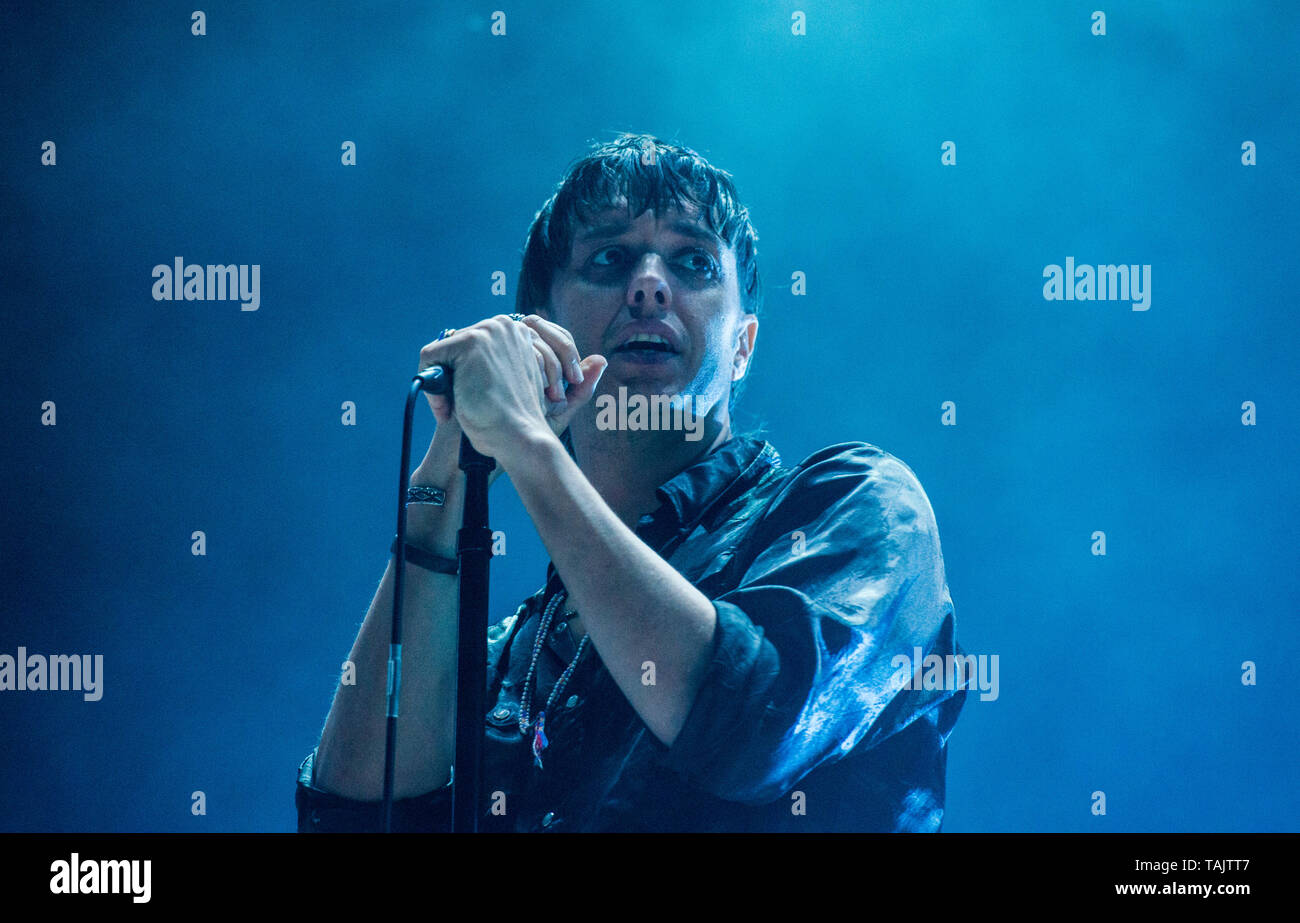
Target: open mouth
(646, 345)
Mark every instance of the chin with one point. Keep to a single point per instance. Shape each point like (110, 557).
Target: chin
(644, 379)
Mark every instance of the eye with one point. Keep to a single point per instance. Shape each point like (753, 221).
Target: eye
(700, 261)
(607, 256)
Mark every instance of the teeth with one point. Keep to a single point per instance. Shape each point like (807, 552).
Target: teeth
(646, 338)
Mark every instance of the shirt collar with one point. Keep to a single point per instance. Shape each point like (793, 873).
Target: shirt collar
(687, 496)
(691, 492)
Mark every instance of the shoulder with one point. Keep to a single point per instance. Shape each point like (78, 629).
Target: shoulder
(868, 538)
(858, 511)
(851, 530)
(851, 478)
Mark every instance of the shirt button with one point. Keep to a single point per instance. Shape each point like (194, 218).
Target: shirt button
(548, 818)
(572, 703)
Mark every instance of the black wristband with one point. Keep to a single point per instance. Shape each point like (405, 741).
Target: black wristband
(429, 561)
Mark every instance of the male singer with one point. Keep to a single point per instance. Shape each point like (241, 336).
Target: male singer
(717, 645)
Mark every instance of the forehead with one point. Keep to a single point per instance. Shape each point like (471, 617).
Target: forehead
(614, 219)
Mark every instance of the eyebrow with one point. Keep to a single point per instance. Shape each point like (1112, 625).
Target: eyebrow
(683, 227)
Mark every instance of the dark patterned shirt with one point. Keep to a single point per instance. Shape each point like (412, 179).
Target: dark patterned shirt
(826, 577)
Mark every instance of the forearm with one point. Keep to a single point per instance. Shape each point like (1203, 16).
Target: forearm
(634, 605)
(350, 758)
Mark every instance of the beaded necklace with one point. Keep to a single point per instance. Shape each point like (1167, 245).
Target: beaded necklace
(539, 736)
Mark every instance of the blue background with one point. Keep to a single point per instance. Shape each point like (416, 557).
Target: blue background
(1118, 673)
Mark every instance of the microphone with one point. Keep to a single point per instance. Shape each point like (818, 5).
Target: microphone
(436, 379)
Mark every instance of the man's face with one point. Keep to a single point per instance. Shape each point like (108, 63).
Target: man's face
(668, 277)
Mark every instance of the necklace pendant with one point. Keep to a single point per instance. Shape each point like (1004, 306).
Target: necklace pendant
(539, 739)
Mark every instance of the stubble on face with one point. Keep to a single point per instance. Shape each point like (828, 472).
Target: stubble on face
(594, 297)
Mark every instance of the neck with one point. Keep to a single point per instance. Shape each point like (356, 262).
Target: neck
(627, 467)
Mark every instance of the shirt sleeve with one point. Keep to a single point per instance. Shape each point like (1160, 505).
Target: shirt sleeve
(320, 811)
(848, 578)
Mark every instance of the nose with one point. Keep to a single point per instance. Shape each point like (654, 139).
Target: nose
(648, 292)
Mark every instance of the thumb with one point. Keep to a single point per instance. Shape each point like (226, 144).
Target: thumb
(593, 367)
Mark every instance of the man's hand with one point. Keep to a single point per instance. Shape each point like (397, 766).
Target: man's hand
(509, 384)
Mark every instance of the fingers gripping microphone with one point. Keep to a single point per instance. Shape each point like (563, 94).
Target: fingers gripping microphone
(436, 379)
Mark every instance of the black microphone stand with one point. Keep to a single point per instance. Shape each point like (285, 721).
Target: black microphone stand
(474, 551)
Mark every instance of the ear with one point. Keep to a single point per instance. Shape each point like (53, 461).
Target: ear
(746, 333)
